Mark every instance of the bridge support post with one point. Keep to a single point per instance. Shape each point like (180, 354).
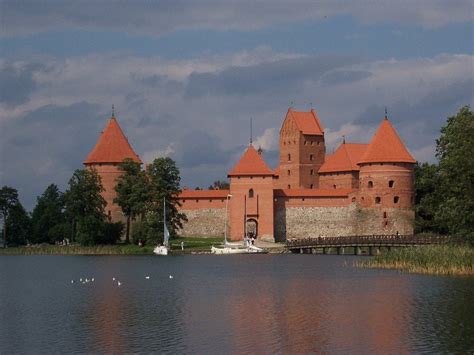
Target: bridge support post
(301, 250)
(374, 250)
(357, 250)
(340, 250)
(325, 250)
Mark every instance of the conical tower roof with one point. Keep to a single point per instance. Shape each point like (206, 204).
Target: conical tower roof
(112, 146)
(345, 158)
(386, 146)
(251, 163)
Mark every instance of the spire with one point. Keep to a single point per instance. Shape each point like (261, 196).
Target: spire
(343, 139)
(386, 146)
(250, 130)
(386, 113)
(113, 111)
(112, 146)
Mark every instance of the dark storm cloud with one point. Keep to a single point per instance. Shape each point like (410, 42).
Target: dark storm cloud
(279, 76)
(431, 109)
(159, 17)
(46, 145)
(17, 83)
(200, 148)
(344, 77)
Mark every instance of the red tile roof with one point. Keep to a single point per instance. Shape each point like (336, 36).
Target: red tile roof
(307, 122)
(112, 146)
(203, 194)
(313, 192)
(386, 146)
(345, 158)
(251, 163)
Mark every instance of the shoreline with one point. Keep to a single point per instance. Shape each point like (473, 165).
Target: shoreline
(440, 260)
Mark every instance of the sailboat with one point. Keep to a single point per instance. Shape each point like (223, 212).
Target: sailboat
(163, 249)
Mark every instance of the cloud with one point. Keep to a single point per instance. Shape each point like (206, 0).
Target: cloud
(158, 18)
(17, 82)
(269, 140)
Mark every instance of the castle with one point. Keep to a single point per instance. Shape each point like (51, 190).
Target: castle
(360, 189)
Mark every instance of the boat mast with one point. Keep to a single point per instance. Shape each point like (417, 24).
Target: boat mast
(165, 242)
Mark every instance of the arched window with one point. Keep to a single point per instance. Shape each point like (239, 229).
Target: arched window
(289, 172)
(353, 199)
(311, 172)
(385, 215)
(311, 157)
(289, 187)
(370, 184)
(391, 183)
(377, 199)
(289, 157)
(251, 193)
(311, 186)
(396, 199)
(334, 186)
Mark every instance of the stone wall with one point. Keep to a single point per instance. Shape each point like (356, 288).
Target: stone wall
(205, 222)
(310, 222)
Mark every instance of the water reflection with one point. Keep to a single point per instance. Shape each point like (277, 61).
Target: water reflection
(271, 303)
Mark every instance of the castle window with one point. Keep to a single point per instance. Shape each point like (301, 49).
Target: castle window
(289, 172)
(377, 200)
(311, 186)
(289, 187)
(385, 215)
(390, 183)
(396, 199)
(311, 157)
(334, 186)
(305, 142)
(311, 172)
(210, 200)
(197, 201)
(370, 184)
(289, 157)
(251, 193)
(353, 199)
(386, 223)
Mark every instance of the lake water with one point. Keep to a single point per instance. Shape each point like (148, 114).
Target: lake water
(222, 304)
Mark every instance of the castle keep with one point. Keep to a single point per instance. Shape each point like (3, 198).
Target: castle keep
(360, 189)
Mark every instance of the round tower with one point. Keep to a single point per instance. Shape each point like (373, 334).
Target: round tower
(386, 181)
(110, 150)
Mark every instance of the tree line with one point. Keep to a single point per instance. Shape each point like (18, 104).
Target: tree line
(78, 214)
(444, 191)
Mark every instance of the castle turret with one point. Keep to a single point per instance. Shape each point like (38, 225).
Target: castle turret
(251, 204)
(302, 150)
(387, 178)
(110, 150)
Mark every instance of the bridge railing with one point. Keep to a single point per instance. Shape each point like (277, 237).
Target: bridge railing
(367, 240)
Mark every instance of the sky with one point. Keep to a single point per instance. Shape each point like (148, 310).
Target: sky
(186, 77)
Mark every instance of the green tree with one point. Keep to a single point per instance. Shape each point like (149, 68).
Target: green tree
(19, 225)
(219, 185)
(454, 150)
(132, 191)
(8, 199)
(85, 205)
(164, 184)
(426, 198)
(48, 217)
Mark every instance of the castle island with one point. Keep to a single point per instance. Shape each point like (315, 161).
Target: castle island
(360, 189)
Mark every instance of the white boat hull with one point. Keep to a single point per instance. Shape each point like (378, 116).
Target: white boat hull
(161, 250)
(237, 250)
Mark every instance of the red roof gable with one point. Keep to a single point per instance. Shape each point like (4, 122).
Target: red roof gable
(386, 146)
(345, 158)
(307, 122)
(251, 163)
(112, 146)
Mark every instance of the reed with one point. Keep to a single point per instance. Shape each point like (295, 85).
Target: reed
(434, 260)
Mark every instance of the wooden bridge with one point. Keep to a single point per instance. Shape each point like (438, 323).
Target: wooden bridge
(366, 244)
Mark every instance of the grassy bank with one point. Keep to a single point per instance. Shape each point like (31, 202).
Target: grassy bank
(190, 245)
(434, 260)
